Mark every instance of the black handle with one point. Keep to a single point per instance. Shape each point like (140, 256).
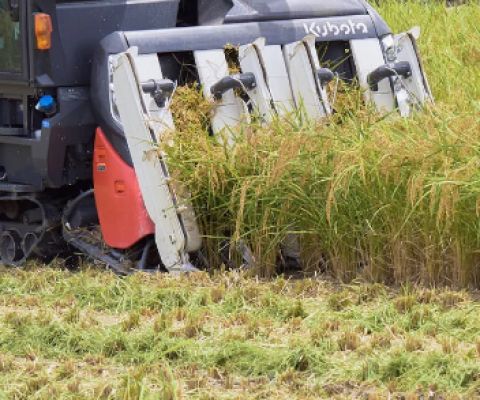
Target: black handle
(160, 90)
(240, 81)
(325, 75)
(401, 68)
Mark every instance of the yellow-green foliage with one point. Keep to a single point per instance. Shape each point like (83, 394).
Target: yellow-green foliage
(389, 198)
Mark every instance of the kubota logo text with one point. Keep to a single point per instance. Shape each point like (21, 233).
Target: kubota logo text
(333, 29)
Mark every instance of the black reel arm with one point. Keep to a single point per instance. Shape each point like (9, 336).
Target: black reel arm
(401, 68)
(244, 81)
(160, 90)
(325, 75)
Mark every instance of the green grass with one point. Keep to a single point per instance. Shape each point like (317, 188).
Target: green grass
(377, 197)
(91, 335)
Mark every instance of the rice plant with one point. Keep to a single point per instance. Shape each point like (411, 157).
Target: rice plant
(368, 195)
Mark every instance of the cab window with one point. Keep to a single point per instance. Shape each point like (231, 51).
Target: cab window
(10, 41)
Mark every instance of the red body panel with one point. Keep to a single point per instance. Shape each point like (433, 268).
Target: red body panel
(121, 210)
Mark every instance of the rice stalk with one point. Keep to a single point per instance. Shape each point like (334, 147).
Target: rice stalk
(380, 197)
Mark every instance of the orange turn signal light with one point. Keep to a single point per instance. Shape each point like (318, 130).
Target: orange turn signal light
(43, 31)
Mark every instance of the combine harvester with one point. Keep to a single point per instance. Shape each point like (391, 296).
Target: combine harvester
(85, 89)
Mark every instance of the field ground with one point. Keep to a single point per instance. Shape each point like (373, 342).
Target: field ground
(92, 335)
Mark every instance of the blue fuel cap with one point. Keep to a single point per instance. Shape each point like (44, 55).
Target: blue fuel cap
(46, 104)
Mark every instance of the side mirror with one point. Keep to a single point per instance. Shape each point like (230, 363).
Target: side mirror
(14, 10)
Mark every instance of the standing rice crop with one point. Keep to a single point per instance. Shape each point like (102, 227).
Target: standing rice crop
(380, 197)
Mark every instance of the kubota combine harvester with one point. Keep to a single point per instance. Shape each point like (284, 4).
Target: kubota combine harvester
(85, 89)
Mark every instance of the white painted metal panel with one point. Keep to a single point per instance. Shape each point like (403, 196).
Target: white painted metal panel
(230, 110)
(368, 55)
(149, 166)
(161, 119)
(309, 42)
(277, 79)
(305, 85)
(417, 85)
(250, 61)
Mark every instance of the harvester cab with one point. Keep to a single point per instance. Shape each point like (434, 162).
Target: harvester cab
(86, 89)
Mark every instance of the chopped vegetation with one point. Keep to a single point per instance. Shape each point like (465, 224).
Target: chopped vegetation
(91, 334)
(378, 197)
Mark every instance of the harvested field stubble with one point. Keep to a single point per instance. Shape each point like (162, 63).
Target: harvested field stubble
(92, 335)
(381, 197)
